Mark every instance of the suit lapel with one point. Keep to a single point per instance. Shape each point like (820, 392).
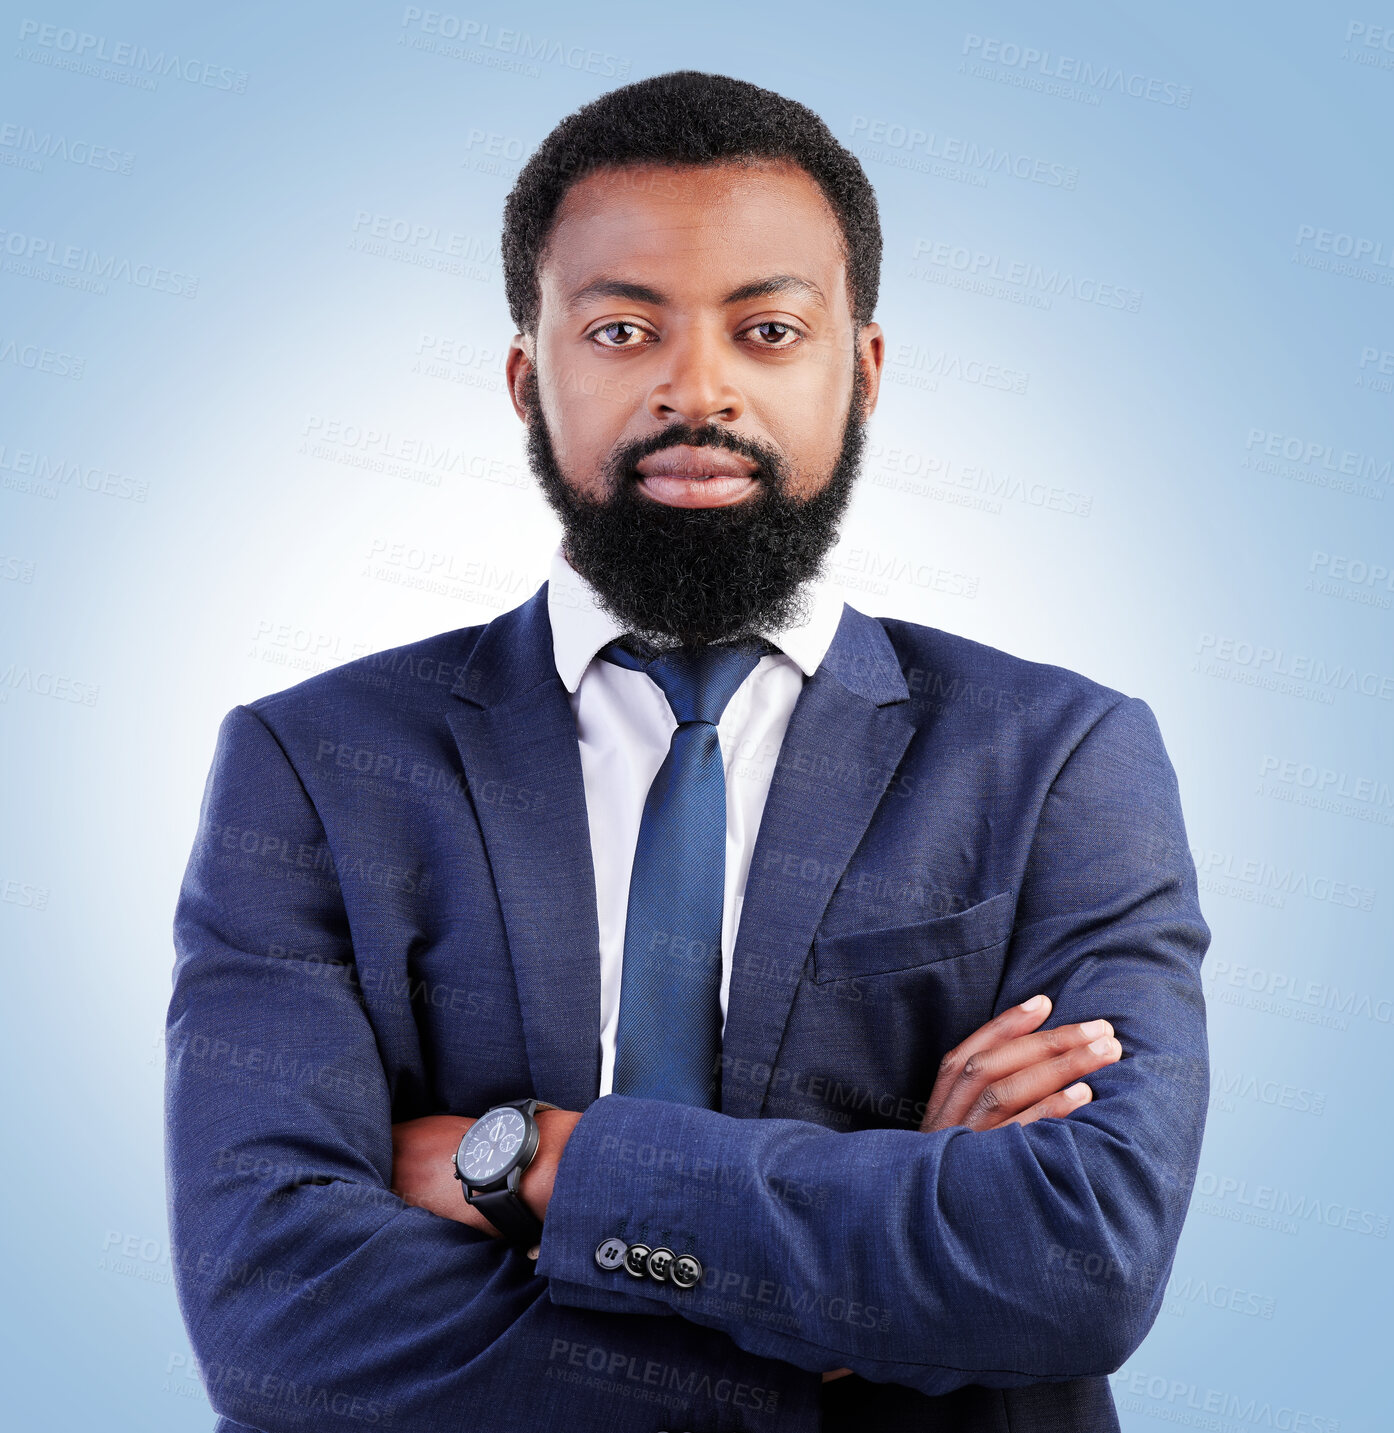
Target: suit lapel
(516, 734)
(517, 738)
(849, 729)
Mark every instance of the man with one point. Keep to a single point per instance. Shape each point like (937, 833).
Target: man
(806, 927)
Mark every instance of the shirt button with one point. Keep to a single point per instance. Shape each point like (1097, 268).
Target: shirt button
(636, 1260)
(685, 1271)
(610, 1253)
(658, 1263)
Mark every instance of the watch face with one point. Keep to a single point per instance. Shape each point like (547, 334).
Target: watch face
(491, 1146)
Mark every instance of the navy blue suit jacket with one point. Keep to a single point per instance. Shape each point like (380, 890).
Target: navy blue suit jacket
(390, 912)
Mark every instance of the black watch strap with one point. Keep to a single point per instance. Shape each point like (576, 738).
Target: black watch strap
(510, 1216)
(530, 1106)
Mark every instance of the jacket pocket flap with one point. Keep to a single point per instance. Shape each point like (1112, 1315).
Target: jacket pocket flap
(884, 949)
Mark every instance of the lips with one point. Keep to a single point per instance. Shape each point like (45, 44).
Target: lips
(683, 476)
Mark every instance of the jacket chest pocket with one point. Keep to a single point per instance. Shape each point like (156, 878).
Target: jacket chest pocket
(883, 950)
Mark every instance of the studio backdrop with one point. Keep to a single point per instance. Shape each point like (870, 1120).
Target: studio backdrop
(1137, 420)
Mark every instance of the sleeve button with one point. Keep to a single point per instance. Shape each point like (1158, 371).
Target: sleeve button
(609, 1253)
(685, 1271)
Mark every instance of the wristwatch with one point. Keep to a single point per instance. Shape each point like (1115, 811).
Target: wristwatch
(490, 1161)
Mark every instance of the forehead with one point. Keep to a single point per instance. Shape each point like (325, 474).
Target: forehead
(692, 230)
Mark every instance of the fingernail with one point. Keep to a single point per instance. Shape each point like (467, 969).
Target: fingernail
(1101, 1046)
(1077, 1093)
(1091, 1028)
(1035, 1002)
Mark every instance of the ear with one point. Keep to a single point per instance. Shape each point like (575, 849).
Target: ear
(516, 369)
(871, 356)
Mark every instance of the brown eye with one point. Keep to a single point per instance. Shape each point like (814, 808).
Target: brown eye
(618, 335)
(774, 335)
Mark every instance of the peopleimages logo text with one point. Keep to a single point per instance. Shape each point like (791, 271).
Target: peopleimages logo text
(507, 40)
(1096, 77)
(1359, 247)
(88, 49)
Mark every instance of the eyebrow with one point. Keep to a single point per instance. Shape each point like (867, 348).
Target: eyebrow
(777, 284)
(643, 294)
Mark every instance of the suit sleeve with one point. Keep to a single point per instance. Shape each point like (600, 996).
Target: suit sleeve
(307, 1287)
(1002, 1257)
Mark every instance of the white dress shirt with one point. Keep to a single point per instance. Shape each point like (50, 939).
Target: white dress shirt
(625, 726)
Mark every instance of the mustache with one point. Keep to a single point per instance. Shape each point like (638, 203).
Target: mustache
(620, 469)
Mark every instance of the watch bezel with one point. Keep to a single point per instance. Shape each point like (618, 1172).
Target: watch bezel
(522, 1156)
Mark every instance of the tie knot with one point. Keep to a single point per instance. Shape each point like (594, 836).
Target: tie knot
(698, 681)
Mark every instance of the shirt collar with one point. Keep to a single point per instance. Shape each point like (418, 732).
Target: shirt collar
(581, 626)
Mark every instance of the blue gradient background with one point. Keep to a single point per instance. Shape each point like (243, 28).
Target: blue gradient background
(253, 546)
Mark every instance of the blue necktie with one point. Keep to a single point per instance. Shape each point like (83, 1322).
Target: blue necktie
(669, 1037)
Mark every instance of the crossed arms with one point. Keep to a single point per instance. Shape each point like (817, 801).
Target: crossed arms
(989, 1247)
(1007, 1072)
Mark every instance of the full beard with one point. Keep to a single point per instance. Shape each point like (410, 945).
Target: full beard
(678, 576)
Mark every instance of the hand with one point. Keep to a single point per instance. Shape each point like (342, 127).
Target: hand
(423, 1172)
(1003, 1074)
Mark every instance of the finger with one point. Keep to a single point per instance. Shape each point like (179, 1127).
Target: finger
(1002, 1099)
(988, 1067)
(1014, 1021)
(1055, 1106)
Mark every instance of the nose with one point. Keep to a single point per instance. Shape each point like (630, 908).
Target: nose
(696, 384)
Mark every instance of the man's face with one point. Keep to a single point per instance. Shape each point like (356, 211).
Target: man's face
(690, 391)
